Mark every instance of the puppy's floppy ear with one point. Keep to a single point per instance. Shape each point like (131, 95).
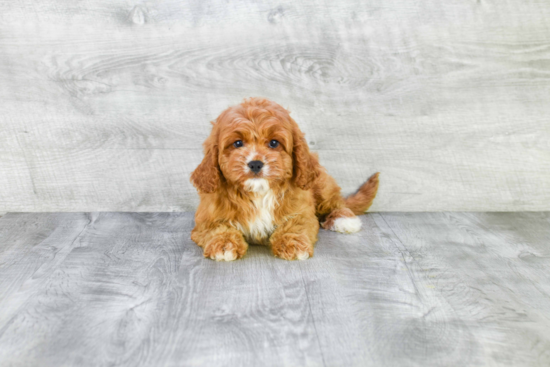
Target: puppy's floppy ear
(305, 164)
(206, 177)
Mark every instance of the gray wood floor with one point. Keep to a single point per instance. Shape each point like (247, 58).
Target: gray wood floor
(411, 289)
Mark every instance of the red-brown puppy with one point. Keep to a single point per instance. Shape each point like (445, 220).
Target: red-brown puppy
(259, 184)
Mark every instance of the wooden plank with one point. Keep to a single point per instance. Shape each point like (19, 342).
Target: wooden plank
(91, 176)
(487, 271)
(32, 246)
(367, 308)
(448, 102)
(155, 179)
(136, 291)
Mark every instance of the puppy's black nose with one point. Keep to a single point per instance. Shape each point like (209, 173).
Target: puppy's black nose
(255, 166)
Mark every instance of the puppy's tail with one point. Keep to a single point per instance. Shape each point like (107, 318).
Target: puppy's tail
(362, 199)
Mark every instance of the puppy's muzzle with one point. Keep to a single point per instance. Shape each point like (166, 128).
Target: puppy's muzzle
(255, 166)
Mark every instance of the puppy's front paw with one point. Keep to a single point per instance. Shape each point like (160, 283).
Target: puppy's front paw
(343, 221)
(293, 247)
(225, 248)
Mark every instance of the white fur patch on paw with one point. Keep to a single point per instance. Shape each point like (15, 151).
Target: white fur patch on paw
(226, 256)
(347, 225)
(302, 256)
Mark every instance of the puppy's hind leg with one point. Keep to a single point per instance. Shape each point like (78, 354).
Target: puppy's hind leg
(342, 220)
(339, 213)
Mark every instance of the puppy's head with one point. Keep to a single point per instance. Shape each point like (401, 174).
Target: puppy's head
(254, 146)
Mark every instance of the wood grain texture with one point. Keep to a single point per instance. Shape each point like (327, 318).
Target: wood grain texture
(414, 289)
(105, 104)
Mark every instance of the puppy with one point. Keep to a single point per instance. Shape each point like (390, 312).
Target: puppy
(259, 184)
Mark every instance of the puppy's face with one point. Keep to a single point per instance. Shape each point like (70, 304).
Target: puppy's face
(255, 146)
(255, 153)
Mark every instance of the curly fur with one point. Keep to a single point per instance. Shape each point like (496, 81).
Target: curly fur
(281, 205)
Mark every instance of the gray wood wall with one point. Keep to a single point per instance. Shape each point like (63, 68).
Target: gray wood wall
(104, 104)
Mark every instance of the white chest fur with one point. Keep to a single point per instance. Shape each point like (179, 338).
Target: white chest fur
(258, 229)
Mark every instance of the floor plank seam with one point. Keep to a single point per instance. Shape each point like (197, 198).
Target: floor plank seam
(402, 255)
(83, 229)
(312, 317)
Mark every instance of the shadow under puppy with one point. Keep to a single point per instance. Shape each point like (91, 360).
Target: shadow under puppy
(259, 184)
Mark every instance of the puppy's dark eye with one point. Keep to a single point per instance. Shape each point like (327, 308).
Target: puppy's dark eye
(238, 144)
(273, 144)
